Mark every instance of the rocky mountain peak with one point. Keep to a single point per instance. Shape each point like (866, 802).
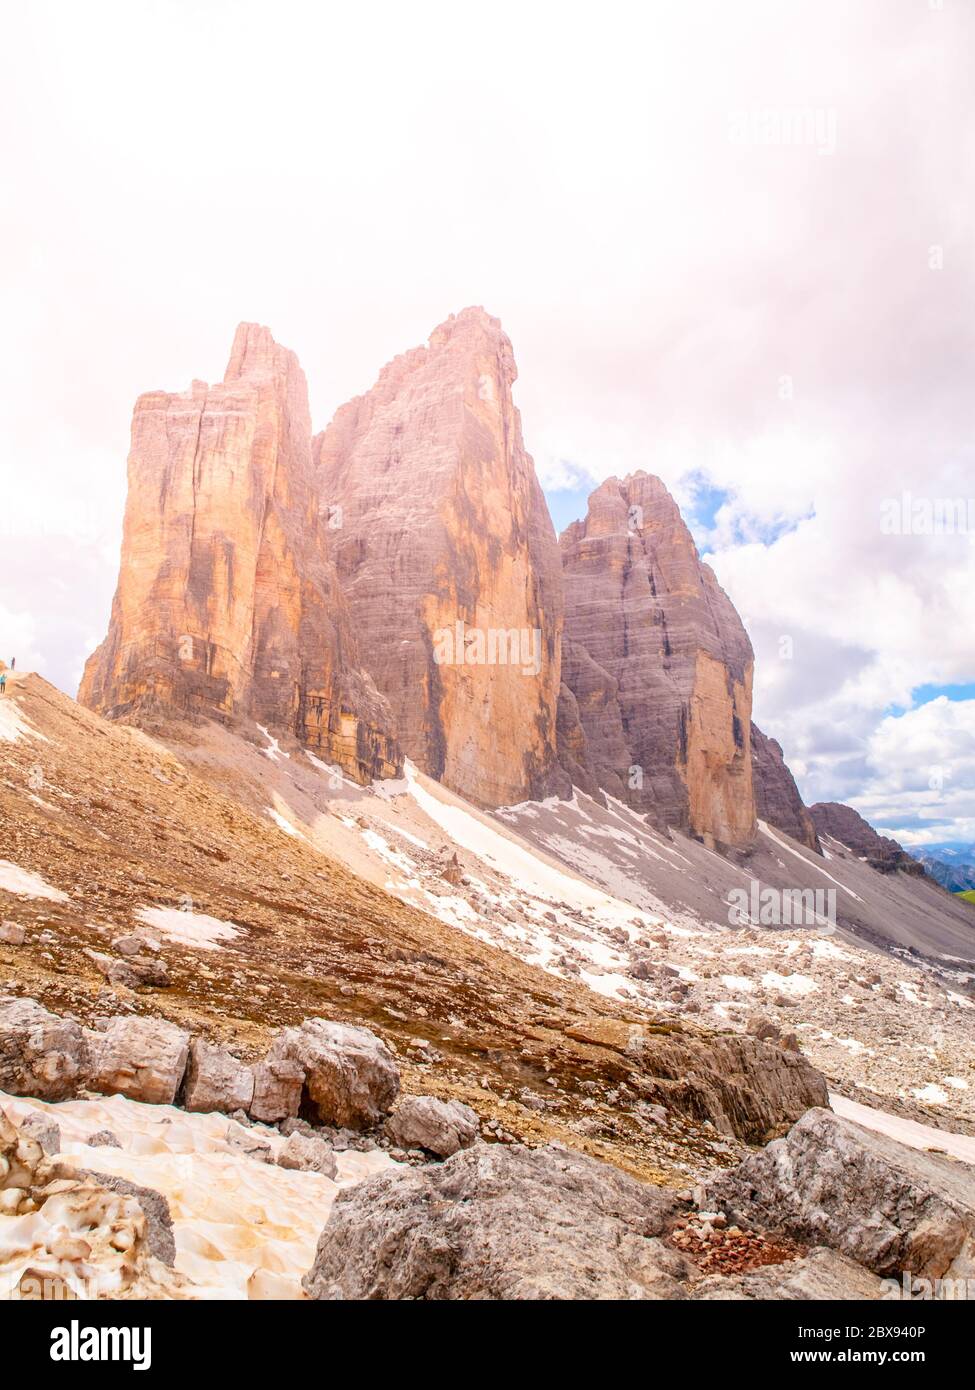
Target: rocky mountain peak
(227, 603)
(843, 823)
(659, 664)
(450, 563)
(396, 582)
(256, 354)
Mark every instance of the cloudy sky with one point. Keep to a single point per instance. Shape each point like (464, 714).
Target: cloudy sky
(732, 243)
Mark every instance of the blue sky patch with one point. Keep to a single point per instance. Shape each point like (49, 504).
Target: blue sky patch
(924, 694)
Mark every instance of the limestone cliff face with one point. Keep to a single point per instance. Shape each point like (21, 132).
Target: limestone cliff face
(447, 555)
(227, 603)
(777, 799)
(659, 665)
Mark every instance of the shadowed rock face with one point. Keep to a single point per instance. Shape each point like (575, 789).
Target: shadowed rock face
(659, 665)
(777, 799)
(441, 521)
(848, 826)
(227, 603)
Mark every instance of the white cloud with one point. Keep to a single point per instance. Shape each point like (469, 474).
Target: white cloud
(921, 772)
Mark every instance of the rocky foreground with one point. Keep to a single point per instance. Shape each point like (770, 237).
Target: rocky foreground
(232, 1065)
(371, 1194)
(133, 886)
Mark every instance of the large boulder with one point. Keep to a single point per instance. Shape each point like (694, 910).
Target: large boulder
(155, 1209)
(278, 1083)
(440, 1126)
(500, 1222)
(40, 1126)
(216, 1080)
(748, 1088)
(135, 972)
(351, 1077)
(831, 1182)
(142, 1058)
(40, 1054)
(306, 1153)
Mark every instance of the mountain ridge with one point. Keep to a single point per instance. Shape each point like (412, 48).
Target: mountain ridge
(265, 570)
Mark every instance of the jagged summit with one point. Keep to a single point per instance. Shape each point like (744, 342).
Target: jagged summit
(659, 664)
(227, 602)
(395, 583)
(448, 557)
(256, 354)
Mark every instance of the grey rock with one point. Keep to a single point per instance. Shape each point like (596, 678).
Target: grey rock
(11, 934)
(747, 1088)
(400, 462)
(159, 1221)
(777, 799)
(350, 1075)
(216, 1080)
(141, 972)
(46, 1131)
(104, 1138)
(642, 968)
(440, 1126)
(307, 1154)
(136, 972)
(142, 1058)
(848, 826)
(278, 1084)
(659, 664)
(760, 1027)
(831, 1182)
(294, 1125)
(500, 1222)
(132, 944)
(40, 1054)
(251, 1145)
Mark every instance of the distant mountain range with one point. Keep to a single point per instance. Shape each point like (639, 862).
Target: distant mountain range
(952, 864)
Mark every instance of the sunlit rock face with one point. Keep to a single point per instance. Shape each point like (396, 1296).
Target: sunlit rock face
(447, 555)
(227, 602)
(659, 664)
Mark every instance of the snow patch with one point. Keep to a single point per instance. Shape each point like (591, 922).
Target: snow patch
(14, 724)
(283, 824)
(243, 1230)
(910, 1132)
(789, 984)
(14, 879)
(188, 928)
(274, 751)
(932, 1094)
